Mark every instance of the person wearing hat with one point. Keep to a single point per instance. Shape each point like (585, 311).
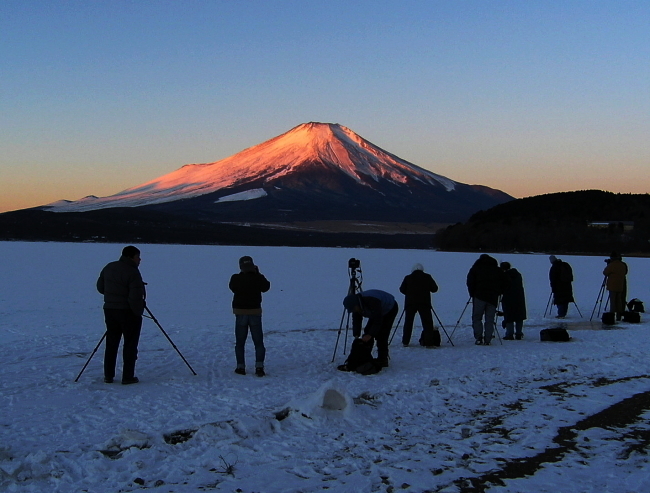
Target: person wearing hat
(248, 286)
(561, 277)
(380, 308)
(615, 273)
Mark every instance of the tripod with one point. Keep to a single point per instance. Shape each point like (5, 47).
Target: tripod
(354, 267)
(496, 317)
(434, 314)
(549, 309)
(461, 316)
(151, 316)
(599, 300)
(548, 304)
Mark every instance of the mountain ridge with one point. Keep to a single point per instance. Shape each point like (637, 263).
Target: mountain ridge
(308, 150)
(271, 193)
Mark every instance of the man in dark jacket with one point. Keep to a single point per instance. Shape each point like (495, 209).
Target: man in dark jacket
(513, 303)
(380, 308)
(248, 286)
(616, 272)
(561, 278)
(121, 284)
(485, 283)
(417, 288)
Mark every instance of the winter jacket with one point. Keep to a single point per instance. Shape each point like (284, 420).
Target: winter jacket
(514, 298)
(616, 271)
(485, 280)
(417, 288)
(248, 288)
(375, 304)
(121, 284)
(561, 277)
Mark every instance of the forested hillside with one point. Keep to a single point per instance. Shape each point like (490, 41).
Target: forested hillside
(559, 222)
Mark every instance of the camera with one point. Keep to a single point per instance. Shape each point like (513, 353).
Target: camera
(354, 264)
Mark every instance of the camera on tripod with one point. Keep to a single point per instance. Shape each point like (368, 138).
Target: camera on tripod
(354, 264)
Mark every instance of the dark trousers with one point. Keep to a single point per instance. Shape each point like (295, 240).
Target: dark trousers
(121, 323)
(426, 317)
(384, 333)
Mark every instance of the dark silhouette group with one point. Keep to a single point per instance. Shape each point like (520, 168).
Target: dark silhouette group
(488, 283)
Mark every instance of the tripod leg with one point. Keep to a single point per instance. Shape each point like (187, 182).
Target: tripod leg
(338, 336)
(396, 327)
(442, 326)
(579, 313)
(599, 300)
(548, 304)
(168, 338)
(91, 356)
(461, 316)
(496, 320)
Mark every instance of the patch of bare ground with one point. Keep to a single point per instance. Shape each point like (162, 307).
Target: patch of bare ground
(618, 416)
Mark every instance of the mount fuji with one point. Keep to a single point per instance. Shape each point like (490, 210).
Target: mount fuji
(317, 184)
(315, 171)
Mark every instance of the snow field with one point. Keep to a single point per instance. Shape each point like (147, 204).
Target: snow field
(434, 417)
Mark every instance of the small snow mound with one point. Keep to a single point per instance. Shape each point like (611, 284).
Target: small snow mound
(328, 400)
(334, 400)
(127, 439)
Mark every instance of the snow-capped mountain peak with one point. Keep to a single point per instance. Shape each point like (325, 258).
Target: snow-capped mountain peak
(329, 146)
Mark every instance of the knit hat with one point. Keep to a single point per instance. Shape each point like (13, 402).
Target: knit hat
(417, 267)
(246, 264)
(552, 258)
(351, 301)
(615, 256)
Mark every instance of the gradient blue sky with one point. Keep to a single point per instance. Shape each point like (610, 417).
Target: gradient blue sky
(529, 97)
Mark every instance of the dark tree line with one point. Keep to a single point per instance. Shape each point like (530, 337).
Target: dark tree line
(557, 222)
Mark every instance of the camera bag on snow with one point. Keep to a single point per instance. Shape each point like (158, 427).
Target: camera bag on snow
(430, 338)
(554, 334)
(609, 318)
(632, 317)
(635, 305)
(360, 359)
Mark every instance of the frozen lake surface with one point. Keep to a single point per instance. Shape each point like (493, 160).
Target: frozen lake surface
(522, 416)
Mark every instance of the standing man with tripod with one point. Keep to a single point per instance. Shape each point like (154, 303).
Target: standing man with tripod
(561, 277)
(615, 273)
(417, 288)
(121, 284)
(485, 283)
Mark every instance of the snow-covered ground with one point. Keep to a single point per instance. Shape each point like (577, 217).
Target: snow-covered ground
(522, 416)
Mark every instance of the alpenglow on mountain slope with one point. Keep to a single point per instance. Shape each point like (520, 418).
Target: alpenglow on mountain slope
(316, 171)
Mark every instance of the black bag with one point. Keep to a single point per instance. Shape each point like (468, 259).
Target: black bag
(555, 334)
(632, 317)
(609, 318)
(430, 338)
(360, 359)
(635, 305)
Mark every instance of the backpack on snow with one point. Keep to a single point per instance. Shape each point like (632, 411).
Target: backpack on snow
(632, 317)
(430, 338)
(635, 305)
(554, 334)
(360, 359)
